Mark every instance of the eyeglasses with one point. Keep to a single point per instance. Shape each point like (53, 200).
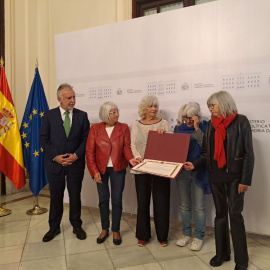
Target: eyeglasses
(114, 112)
(211, 106)
(187, 118)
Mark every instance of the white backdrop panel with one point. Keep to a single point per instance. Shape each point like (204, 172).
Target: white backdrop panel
(180, 56)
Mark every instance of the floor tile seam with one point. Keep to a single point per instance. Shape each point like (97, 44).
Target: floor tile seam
(64, 238)
(42, 258)
(258, 245)
(173, 258)
(85, 251)
(25, 239)
(13, 221)
(160, 265)
(107, 250)
(204, 261)
(130, 245)
(27, 197)
(13, 232)
(252, 263)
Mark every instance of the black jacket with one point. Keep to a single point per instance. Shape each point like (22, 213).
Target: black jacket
(54, 141)
(239, 154)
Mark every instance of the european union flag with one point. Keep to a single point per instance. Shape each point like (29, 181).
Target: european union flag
(32, 152)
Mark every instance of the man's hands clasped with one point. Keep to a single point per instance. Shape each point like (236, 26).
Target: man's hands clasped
(66, 159)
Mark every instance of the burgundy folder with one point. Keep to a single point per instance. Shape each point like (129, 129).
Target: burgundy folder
(165, 148)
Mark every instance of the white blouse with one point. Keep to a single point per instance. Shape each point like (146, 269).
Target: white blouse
(139, 135)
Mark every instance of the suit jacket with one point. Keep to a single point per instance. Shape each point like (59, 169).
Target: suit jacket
(54, 141)
(100, 147)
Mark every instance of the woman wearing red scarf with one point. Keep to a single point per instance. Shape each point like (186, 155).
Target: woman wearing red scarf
(227, 152)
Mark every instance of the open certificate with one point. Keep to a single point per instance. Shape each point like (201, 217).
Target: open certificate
(165, 154)
(160, 168)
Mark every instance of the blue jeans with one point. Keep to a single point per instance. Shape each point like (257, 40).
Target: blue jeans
(117, 186)
(191, 197)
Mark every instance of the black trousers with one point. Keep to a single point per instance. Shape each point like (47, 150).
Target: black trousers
(57, 184)
(227, 200)
(160, 188)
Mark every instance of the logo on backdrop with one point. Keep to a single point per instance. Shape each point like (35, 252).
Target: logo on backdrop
(185, 86)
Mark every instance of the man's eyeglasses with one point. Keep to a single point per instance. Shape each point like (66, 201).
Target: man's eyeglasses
(211, 106)
(114, 112)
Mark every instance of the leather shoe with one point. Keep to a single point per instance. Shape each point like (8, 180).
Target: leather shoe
(218, 261)
(118, 241)
(80, 233)
(50, 235)
(100, 240)
(241, 267)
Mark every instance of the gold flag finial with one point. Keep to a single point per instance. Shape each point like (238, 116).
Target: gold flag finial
(2, 61)
(36, 63)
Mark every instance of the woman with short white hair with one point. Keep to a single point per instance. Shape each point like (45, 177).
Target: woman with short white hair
(192, 185)
(147, 183)
(108, 154)
(227, 152)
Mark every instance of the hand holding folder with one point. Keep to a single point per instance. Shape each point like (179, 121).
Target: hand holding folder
(165, 154)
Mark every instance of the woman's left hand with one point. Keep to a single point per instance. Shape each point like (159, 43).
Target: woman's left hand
(134, 162)
(242, 188)
(160, 131)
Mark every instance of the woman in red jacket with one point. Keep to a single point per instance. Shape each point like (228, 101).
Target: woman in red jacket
(107, 154)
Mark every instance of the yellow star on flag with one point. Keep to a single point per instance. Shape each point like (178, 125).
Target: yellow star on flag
(41, 114)
(30, 116)
(41, 149)
(27, 144)
(24, 135)
(35, 153)
(34, 111)
(25, 125)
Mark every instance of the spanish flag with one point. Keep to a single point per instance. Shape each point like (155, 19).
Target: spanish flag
(11, 157)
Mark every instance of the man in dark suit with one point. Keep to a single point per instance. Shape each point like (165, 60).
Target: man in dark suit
(63, 136)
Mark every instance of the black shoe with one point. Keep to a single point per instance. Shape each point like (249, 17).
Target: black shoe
(80, 233)
(117, 242)
(50, 235)
(218, 261)
(100, 240)
(241, 267)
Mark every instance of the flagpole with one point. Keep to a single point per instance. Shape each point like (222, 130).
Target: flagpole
(3, 211)
(36, 210)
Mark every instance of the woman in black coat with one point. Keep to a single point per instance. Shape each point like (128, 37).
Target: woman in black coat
(227, 152)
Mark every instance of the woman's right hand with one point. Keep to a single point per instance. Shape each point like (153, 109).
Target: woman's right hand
(139, 159)
(97, 178)
(188, 166)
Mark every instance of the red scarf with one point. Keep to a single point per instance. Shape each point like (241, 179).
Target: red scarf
(220, 124)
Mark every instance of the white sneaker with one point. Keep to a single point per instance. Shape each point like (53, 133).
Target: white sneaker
(196, 244)
(183, 240)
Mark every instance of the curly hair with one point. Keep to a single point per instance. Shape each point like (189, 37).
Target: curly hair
(147, 101)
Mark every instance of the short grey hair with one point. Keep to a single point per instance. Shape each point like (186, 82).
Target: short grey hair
(147, 101)
(104, 111)
(190, 109)
(224, 101)
(63, 86)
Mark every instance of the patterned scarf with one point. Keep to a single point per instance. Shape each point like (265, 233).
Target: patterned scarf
(220, 124)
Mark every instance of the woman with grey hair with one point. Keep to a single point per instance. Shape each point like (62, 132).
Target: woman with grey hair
(147, 183)
(108, 154)
(192, 185)
(227, 152)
